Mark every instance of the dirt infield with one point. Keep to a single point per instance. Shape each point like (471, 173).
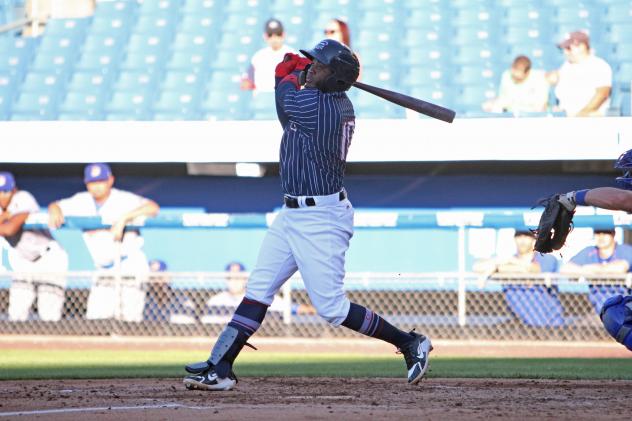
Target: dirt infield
(317, 398)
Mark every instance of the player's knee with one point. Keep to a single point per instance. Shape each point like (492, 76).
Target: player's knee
(333, 311)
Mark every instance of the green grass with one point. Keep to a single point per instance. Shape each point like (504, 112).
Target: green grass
(58, 364)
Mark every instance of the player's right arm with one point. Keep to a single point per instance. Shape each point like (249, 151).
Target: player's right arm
(13, 224)
(55, 215)
(610, 198)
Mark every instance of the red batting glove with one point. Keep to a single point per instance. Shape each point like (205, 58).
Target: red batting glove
(293, 79)
(302, 63)
(287, 66)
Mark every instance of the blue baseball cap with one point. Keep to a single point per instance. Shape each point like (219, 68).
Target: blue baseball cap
(157, 265)
(7, 182)
(96, 172)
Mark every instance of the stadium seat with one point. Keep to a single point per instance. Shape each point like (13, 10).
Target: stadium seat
(115, 8)
(84, 105)
(535, 306)
(477, 74)
(468, 35)
(441, 94)
(34, 106)
(184, 105)
(426, 37)
(621, 33)
(600, 293)
(136, 105)
(89, 82)
(431, 17)
(202, 8)
(6, 97)
(223, 80)
(46, 63)
(243, 24)
(535, 33)
(230, 60)
(141, 61)
(478, 54)
(119, 27)
(189, 61)
(183, 82)
(382, 77)
(136, 80)
(428, 75)
(370, 106)
(98, 44)
(620, 12)
(156, 25)
(69, 28)
(156, 44)
(200, 43)
(226, 106)
(623, 75)
(103, 63)
(44, 83)
(63, 46)
(200, 24)
(160, 7)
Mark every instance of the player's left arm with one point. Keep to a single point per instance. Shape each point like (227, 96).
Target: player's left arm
(148, 208)
(13, 224)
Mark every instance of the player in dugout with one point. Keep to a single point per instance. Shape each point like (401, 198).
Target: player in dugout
(312, 231)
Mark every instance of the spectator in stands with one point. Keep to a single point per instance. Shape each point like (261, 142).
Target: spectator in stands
(522, 90)
(35, 257)
(583, 83)
(260, 74)
(116, 249)
(220, 307)
(605, 257)
(338, 30)
(525, 260)
(163, 302)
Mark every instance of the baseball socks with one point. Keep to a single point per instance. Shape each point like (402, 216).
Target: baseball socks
(248, 316)
(365, 321)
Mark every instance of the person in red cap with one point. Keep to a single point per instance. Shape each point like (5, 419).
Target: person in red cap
(583, 83)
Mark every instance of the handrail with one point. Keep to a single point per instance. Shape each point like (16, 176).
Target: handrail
(15, 25)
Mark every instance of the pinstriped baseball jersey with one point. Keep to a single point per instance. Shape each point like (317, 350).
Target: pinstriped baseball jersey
(317, 132)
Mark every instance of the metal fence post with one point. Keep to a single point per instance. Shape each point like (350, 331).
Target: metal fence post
(461, 291)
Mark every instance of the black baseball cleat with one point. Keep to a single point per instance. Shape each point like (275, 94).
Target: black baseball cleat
(208, 380)
(416, 353)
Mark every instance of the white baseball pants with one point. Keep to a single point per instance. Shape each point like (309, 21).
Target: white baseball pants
(28, 284)
(312, 240)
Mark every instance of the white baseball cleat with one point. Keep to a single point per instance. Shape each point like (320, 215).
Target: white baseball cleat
(416, 353)
(208, 380)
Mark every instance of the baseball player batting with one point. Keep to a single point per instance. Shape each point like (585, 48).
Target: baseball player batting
(311, 233)
(556, 223)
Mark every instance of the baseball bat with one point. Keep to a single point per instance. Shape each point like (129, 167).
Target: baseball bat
(423, 107)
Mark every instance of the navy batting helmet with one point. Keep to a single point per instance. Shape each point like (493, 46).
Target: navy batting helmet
(340, 59)
(616, 316)
(625, 163)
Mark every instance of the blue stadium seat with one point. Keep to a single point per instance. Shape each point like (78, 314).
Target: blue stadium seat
(223, 80)
(14, 64)
(230, 60)
(157, 44)
(63, 46)
(428, 75)
(426, 37)
(104, 63)
(34, 106)
(534, 33)
(84, 106)
(441, 94)
(370, 106)
(129, 105)
(200, 43)
(115, 8)
(245, 6)
(7, 93)
(160, 7)
(244, 44)
(468, 35)
(44, 83)
(156, 25)
(621, 52)
(477, 75)
(579, 13)
(623, 74)
(58, 64)
(479, 54)
(243, 24)
(382, 58)
(226, 105)
(430, 55)
(99, 43)
(620, 12)
(200, 24)
(80, 116)
(202, 8)
(119, 27)
(70, 28)
(89, 82)
(183, 82)
(263, 101)
(431, 17)
(137, 80)
(526, 15)
(189, 61)
(385, 78)
(297, 28)
(377, 39)
(150, 62)
(535, 306)
(477, 16)
(180, 104)
(621, 33)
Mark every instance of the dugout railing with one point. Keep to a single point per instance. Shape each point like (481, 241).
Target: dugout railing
(543, 307)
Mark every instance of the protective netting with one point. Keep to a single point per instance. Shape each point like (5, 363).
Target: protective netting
(443, 305)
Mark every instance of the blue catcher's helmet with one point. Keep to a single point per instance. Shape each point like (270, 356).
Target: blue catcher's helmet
(625, 163)
(616, 316)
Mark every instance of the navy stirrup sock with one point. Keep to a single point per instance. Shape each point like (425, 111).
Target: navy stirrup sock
(248, 316)
(367, 322)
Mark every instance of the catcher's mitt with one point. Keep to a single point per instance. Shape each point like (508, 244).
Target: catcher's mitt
(555, 224)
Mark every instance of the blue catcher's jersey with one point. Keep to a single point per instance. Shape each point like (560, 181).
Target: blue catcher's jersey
(317, 131)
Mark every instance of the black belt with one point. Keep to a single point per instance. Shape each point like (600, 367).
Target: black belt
(292, 202)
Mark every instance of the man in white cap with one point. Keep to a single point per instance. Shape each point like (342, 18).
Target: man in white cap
(116, 250)
(38, 262)
(260, 74)
(583, 83)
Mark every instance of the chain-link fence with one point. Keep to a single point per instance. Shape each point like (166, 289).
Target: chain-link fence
(443, 305)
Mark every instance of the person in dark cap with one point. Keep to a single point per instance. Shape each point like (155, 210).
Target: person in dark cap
(584, 82)
(525, 260)
(260, 73)
(605, 257)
